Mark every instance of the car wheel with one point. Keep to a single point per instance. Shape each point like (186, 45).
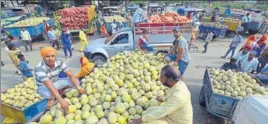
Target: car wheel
(202, 101)
(99, 60)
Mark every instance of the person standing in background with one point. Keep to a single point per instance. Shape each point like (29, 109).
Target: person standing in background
(53, 38)
(26, 39)
(261, 43)
(227, 11)
(139, 15)
(207, 41)
(56, 31)
(13, 53)
(83, 39)
(114, 27)
(46, 27)
(235, 43)
(67, 46)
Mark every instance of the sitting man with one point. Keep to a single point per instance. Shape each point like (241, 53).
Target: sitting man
(230, 65)
(86, 67)
(176, 108)
(250, 64)
(46, 76)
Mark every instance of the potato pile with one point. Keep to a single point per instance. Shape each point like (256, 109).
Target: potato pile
(22, 95)
(119, 91)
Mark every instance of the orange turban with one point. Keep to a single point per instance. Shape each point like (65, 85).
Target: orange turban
(48, 50)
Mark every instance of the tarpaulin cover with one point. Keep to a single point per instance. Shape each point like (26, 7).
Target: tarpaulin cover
(252, 110)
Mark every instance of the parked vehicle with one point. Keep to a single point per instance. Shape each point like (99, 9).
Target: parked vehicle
(160, 37)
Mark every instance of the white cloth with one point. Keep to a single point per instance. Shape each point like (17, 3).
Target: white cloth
(25, 35)
(60, 84)
(251, 110)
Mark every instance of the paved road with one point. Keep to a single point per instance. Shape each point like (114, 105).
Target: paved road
(193, 76)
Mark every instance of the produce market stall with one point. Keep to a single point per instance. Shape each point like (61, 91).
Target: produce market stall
(34, 26)
(232, 23)
(222, 90)
(75, 18)
(21, 102)
(11, 20)
(115, 93)
(217, 29)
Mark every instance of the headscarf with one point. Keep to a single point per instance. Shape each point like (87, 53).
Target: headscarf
(251, 38)
(46, 50)
(262, 40)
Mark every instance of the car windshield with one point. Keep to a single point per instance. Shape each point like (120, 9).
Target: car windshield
(109, 39)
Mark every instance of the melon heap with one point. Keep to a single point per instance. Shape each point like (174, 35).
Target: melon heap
(29, 22)
(235, 84)
(119, 91)
(22, 95)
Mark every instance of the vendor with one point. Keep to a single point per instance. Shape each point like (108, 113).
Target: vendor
(263, 75)
(177, 107)
(143, 42)
(250, 64)
(86, 67)
(230, 65)
(138, 15)
(46, 76)
(227, 11)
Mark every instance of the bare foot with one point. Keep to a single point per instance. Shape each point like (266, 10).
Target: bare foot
(50, 103)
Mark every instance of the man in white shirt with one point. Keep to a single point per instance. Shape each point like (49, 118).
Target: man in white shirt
(114, 27)
(26, 39)
(250, 64)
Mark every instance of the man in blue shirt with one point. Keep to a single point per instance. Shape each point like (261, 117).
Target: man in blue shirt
(227, 11)
(66, 43)
(235, 43)
(230, 65)
(24, 68)
(53, 38)
(138, 15)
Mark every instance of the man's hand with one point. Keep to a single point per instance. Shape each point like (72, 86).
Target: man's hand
(81, 90)
(64, 105)
(30, 69)
(135, 121)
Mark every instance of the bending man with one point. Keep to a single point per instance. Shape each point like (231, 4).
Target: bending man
(176, 108)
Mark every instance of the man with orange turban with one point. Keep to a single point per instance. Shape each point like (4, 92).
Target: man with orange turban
(250, 43)
(86, 67)
(46, 76)
(261, 44)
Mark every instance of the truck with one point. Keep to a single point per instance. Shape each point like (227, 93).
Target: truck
(160, 37)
